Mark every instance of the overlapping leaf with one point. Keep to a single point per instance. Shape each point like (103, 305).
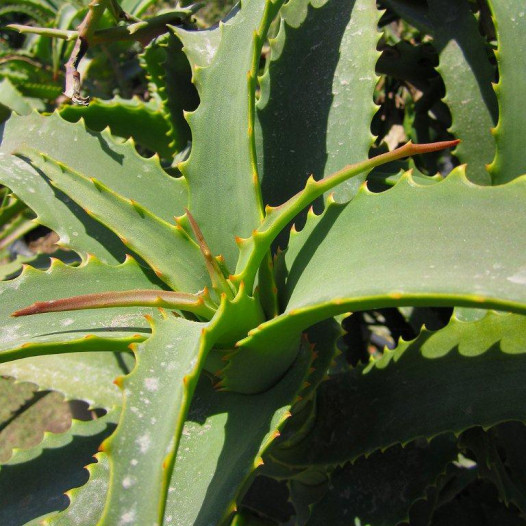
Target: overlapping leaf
(86, 330)
(435, 384)
(309, 121)
(28, 491)
(167, 248)
(411, 245)
(221, 168)
(222, 444)
(379, 490)
(144, 121)
(119, 167)
(169, 76)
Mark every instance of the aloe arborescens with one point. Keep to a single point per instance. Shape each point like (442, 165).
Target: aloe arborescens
(233, 343)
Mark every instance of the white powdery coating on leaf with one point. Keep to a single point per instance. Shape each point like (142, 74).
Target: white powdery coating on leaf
(128, 482)
(152, 384)
(519, 277)
(128, 517)
(10, 334)
(144, 442)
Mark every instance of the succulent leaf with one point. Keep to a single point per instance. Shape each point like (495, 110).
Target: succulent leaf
(200, 47)
(223, 441)
(375, 252)
(323, 59)
(254, 248)
(12, 100)
(169, 76)
(221, 168)
(144, 121)
(27, 489)
(468, 76)
(510, 23)
(167, 248)
(384, 485)
(444, 374)
(87, 501)
(157, 394)
(84, 376)
(120, 168)
(85, 330)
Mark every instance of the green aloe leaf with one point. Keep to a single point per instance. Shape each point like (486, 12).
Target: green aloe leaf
(410, 245)
(75, 228)
(83, 330)
(169, 76)
(86, 502)
(28, 491)
(221, 168)
(12, 100)
(120, 167)
(84, 376)
(307, 127)
(222, 443)
(381, 488)
(167, 248)
(200, 47)
(144, 121)
(445, 375)
(468, 76)
(254, 368)
(221, 446)
(157, 395)
(510, 22)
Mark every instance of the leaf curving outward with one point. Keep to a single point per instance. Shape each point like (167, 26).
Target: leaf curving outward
(117, 165)
(254, 248)
(434, 384)
(410, 245)
(85, 330)
(167, 248)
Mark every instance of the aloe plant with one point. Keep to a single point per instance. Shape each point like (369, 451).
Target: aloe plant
(233, 401)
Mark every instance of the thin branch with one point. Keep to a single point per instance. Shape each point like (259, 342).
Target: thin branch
(85, 31)
(86, 35)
